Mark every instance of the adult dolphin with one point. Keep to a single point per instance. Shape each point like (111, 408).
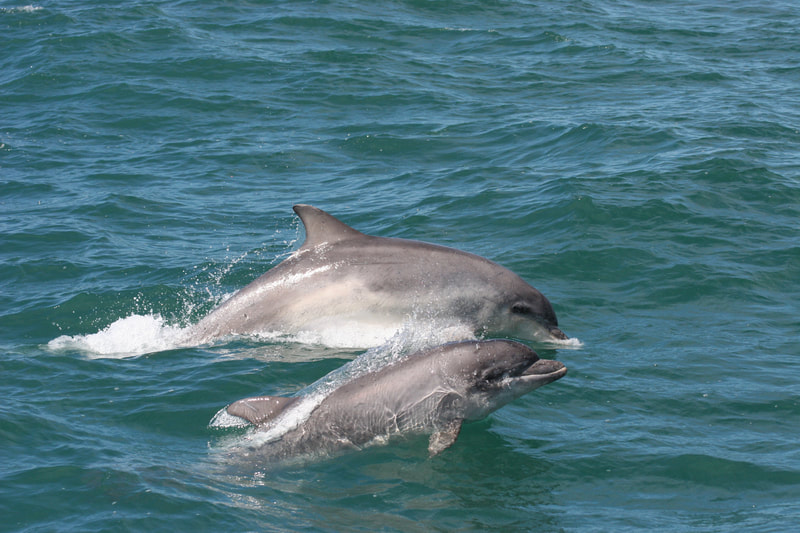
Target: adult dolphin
(341, 280)
(430, 392)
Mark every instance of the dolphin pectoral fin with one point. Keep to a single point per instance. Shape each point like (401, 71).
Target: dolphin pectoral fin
(260, 409)
(444, 438)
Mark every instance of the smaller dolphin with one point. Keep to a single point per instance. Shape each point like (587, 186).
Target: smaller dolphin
(430, 392)
(343, 281)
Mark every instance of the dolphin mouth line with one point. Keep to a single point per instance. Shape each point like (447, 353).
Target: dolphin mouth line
(545, 369)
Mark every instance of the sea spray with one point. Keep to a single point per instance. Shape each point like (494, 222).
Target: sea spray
(127, 337)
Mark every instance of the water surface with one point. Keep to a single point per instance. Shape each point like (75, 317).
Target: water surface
(637, 163)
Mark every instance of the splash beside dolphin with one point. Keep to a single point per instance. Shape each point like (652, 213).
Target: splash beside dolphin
(342, 279)
(431, 392)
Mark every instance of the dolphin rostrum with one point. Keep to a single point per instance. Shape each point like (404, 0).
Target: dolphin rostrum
(341, 280)
(429, 392)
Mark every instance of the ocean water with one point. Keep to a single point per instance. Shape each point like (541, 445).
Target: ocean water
(638, 162)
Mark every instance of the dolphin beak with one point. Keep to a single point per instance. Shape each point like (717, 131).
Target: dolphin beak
(558, 334)
(545, 371)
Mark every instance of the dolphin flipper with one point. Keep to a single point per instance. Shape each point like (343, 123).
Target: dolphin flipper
(260, 409)
(443, 438)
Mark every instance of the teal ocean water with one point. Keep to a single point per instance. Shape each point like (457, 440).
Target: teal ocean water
(638, 162)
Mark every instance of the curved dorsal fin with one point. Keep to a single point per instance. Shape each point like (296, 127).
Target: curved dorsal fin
(322, 227)
(260, 409)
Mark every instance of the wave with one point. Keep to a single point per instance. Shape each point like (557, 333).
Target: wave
(22, 9)
(131, 336)
(138, 334)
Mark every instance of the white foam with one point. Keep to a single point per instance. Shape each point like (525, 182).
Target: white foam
(572, 343)
(137, 335)
(225, 420)
(23, 9)
(127, 337)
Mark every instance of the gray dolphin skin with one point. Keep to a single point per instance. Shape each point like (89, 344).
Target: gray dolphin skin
(341, 278)
(430, 392)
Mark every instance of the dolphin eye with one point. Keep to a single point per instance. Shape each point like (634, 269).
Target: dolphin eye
(490, 380)
(521, 309)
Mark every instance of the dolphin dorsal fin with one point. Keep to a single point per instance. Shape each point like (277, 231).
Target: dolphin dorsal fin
(260, 409)
(322, 227)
